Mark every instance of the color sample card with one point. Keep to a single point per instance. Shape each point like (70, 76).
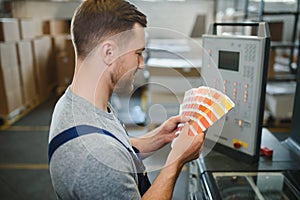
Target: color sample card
(204, 106)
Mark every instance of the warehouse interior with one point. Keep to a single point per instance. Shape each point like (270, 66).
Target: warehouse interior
(37, 65)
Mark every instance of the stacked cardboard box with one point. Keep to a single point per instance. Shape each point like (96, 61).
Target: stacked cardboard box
(38, 62)
(47, 44)
(28, 28)
(59, 42)
(65, 63)
(27, 73)
(44, 66)
(25, 65)
(28, 61)
(64, 57)
(9, 30)
(65, 60)
(56, 27)
(10, 86)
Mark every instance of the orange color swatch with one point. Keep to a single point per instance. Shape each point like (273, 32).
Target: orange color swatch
(204, 106)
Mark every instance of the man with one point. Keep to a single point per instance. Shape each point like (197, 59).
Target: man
(90, 153)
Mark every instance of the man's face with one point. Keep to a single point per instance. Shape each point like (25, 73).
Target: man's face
(129, 62)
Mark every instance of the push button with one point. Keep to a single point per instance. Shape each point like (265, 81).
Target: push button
(265, 151)
(240, 123)
(237, 144)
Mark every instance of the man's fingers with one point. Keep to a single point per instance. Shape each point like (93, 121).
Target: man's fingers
(185, 129)
(187, 147)
(179, 119)
(184, 136)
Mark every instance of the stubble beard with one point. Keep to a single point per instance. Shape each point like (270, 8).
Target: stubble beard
(125, 85)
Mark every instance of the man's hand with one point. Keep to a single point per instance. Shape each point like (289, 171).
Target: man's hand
(187, 147)
(167, 131)
(158, 137)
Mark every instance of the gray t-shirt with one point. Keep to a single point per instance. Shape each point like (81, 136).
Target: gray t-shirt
(93, 166)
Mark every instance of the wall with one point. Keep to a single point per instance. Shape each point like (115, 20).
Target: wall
(44, 9)
(178, 16)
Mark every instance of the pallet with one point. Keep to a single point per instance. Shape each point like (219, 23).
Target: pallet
(7, 120)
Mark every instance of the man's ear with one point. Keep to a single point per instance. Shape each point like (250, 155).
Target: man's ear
(108, 51)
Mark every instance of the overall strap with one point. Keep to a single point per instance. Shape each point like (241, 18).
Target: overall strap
(75, 132)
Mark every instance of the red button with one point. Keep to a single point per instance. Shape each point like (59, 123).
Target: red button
(265, 151)
(237, 145)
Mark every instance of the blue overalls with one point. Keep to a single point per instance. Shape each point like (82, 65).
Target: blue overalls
(74, 132)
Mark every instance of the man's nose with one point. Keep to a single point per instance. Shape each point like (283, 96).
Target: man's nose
(141, 63)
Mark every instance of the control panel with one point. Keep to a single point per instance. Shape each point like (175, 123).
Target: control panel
(242, 64)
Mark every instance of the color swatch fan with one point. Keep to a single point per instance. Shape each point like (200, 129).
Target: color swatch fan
(204, 106)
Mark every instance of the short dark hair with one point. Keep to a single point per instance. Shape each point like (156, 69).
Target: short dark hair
(94, 20)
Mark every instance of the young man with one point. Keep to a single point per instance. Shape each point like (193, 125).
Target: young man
(90, 153)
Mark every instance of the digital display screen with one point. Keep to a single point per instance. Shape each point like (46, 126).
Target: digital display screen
(229, 60)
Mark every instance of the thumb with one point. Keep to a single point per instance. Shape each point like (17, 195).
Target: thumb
(184, 130)
(183, 137)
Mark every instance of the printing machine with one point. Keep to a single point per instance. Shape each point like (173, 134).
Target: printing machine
(245, 161)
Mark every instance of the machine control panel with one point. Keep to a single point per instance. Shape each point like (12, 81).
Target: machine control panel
(241, 63)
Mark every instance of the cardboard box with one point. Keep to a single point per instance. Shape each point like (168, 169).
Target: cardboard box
(7, 6)
(26, 65)
(9, 30)
(56, 27)
(38, 27)
(280, 99)
(60, 44)
(46, 27)
(276, 30)
(65, 63)
(10, 86)
(44, 66)
(65, 68)
(27, 28)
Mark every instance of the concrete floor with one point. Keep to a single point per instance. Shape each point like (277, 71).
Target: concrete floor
(23, 156)
(24, 171)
